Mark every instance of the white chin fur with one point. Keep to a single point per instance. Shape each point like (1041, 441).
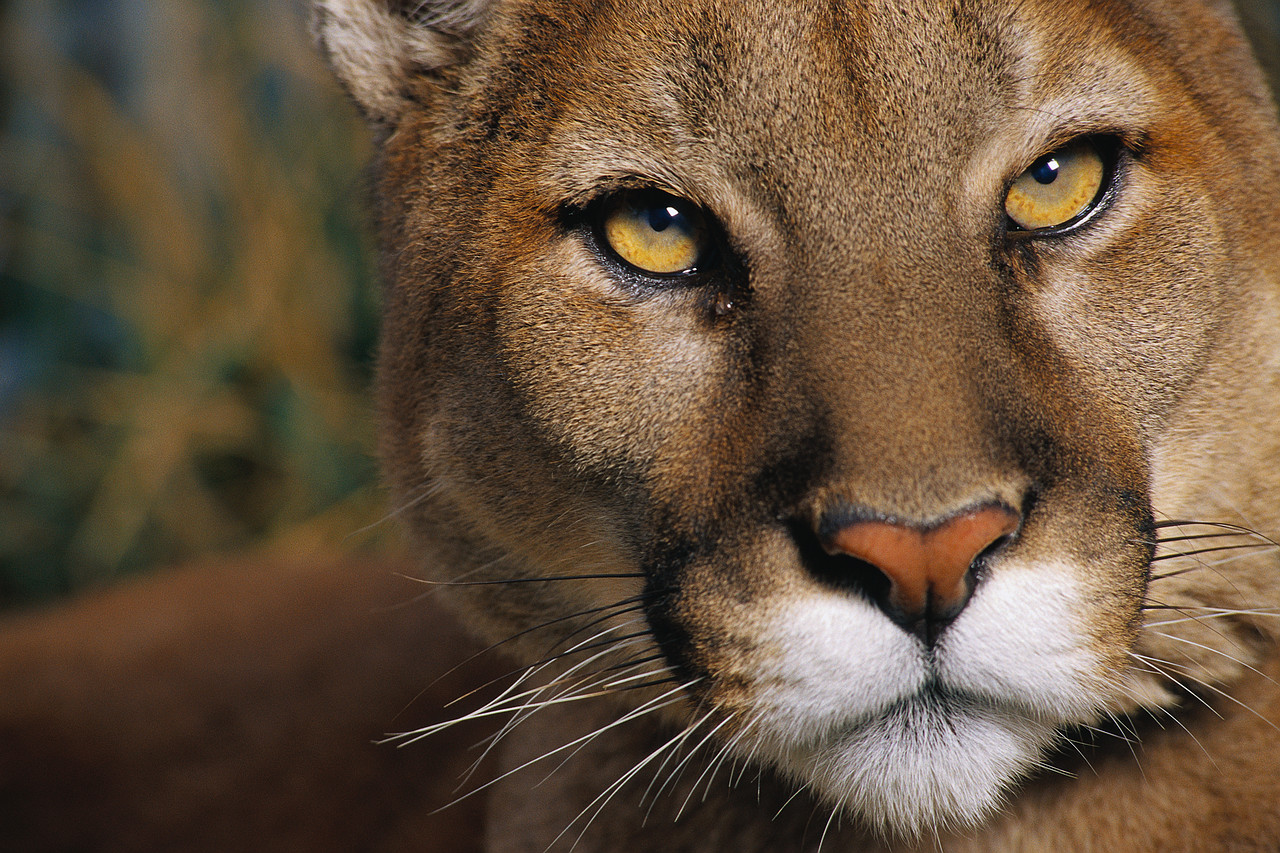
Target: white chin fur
(922, 766)
(858, 710)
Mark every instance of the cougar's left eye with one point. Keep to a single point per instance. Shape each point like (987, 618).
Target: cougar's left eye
(655, 232)
(1059, 187)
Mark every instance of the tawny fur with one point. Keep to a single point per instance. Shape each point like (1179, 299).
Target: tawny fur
(869, 338)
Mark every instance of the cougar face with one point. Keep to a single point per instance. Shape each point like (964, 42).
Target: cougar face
(854, 385)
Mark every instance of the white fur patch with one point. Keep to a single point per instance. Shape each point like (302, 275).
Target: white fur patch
(848, 703)
(1018, 641)
(923, 765)
(839, 660)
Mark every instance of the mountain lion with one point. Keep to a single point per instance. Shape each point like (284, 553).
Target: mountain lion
(862, 418)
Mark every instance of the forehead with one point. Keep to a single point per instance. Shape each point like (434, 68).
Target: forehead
(877, 65)
(812, 83)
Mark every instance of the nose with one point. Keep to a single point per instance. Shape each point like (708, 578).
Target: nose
(929, 568)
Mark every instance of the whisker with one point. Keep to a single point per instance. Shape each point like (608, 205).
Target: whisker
(676, 772)
(1048, 767)
(1221, 525)
(1201, 565)
(827, 828)
(594, 645)
(1165, 540)
(546, 579)
(552, 658)
(749, 759)
(671, 753)
(611, 686)
(1211, 613)
(1212, 650)
(1197, 552)
(408, 738)
(597, 806)
(619, 606)
(1078, 748)
(800, 789)
(1203, 621)
(604, 615)
(648, 684)
(1176, 673)
(423, 493)
(693, 789)
(566, 686)
(1233, 529)
(633, 605)
(1207, 686)
(583, 688)
(1211, 688)
(717, 762)
(589, 687)
(568, 675)
(1169, 714)
(649, 707)
(509, 700)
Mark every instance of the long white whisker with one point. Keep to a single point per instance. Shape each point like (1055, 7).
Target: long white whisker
(1208, 613)
(719, 761)
(602, 800)
(509, 702)
(667, 699)
(674, 776)
(587, 687)
(675, 744)
(827, 828)
(1218, 652)
(694, 787)
(583, 746)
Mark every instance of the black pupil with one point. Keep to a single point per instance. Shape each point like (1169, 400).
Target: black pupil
(661, 216)
(1046, 171)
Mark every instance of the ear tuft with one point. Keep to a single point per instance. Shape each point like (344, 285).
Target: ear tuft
(376, 46)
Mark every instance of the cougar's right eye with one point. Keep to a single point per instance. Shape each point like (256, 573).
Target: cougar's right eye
(1059, 188)
(657, 233)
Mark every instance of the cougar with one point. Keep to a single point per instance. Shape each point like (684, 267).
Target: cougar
(857, 421)
(862, 418)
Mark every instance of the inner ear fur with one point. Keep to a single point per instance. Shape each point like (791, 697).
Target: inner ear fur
(376, 47)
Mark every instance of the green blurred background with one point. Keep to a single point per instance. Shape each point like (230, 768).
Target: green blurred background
(187, 299)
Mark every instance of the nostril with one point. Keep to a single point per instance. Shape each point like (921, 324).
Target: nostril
(926, 571)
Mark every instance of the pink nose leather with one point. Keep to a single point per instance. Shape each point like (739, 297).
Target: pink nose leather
(928, 569)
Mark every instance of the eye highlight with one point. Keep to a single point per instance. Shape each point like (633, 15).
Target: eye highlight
(655, 232)
(1058, 188)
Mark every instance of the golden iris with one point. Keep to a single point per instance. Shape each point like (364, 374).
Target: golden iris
(1058, 187)
(655, 232)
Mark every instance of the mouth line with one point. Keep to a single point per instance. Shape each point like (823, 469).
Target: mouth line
(940, 705)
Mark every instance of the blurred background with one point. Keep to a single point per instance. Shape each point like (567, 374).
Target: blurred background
(187, 299)
(187, 296)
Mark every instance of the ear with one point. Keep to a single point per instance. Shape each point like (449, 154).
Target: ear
(376, 47)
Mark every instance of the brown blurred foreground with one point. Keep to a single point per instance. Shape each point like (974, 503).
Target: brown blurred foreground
(235, 707)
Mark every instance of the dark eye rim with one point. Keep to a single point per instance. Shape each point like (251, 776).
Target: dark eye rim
(592, 218)
(1114, 163)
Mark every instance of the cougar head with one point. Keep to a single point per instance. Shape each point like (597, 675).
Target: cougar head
(858, 386)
